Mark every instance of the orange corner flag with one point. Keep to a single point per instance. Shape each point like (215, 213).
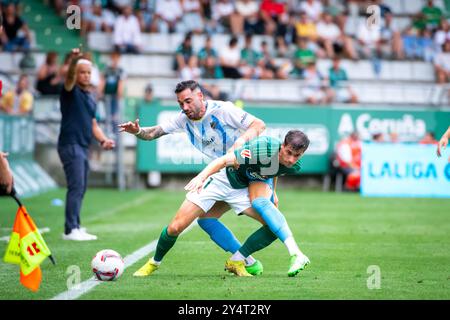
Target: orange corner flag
(27, 248)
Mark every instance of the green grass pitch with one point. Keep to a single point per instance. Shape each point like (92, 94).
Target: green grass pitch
(343, 234)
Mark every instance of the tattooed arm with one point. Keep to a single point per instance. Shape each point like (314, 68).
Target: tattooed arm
(144, 133)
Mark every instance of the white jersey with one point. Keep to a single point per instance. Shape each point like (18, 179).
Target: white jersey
(217, 131)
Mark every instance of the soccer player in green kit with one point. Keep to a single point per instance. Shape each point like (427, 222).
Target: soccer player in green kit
(255, 163)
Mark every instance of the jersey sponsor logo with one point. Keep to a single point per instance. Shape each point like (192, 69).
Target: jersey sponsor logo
(255, 176)
(246, 154)
(207, 142)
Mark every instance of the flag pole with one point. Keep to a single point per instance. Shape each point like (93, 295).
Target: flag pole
(19, 203)
(14, 196)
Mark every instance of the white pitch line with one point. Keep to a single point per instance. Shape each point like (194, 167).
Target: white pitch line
(86, 286)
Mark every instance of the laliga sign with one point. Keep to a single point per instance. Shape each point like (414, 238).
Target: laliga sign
(409, 128)
(403, 170)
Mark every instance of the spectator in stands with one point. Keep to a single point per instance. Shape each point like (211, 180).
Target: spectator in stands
(251, 20)
(207, 10)
(332, 39)
(191, 71)
(183, 53)
(337, 10)
(192, 16)
(302, 57)
(394, 138)
(249, 60)
(341, 92)
(442, 35)
(269, 66)
(113, 83)
(377, 137)
(348, 156)
(305, 28)
(146, 15)
(418, 42)
(229, 58)
(316, 90)
(127, 32)
(98, 19)
(209, 62)
(391, 38)
(16, 35)
(18, 101)
(168, 14)
(272, 13)
(149, 96)
(49, 80)
(60, 7)
(213, 92)
(442, 64)
(432, 15)
(312, 8)
(429, 138)
(286, 35)
(224, 18)
(369, 41)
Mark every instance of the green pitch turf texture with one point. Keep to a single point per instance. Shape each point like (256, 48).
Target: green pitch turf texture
(343, 234)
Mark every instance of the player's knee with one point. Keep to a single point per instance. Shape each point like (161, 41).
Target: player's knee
(174, 229)
(260, 204)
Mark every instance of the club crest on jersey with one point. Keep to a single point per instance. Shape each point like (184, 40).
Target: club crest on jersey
(213, 125)
(246, 154)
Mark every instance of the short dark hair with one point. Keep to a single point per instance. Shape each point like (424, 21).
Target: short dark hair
(297, 140)
(188, 84)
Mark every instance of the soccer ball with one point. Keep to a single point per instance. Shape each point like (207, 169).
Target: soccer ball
(107, 265)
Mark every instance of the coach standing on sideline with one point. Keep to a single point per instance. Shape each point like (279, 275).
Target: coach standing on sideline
(78, 125)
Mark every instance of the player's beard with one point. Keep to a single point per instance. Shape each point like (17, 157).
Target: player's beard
(196, 113)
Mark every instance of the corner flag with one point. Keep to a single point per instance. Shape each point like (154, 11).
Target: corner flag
(27, 248)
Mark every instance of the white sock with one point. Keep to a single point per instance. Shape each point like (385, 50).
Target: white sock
(237, 256)
(154, 261)
(249, 261)
(292, 247)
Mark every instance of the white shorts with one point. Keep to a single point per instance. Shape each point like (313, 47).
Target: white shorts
(218, 188)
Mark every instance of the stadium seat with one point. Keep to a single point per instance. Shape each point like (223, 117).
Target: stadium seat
(167, 43)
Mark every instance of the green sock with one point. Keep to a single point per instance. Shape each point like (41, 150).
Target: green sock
(258, 240)
(165, 243)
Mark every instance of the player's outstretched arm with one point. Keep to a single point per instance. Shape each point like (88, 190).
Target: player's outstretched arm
(227, 160)
(144, 133)
(443, 142)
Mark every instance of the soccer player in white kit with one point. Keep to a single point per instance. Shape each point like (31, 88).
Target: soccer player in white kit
(214, 128)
